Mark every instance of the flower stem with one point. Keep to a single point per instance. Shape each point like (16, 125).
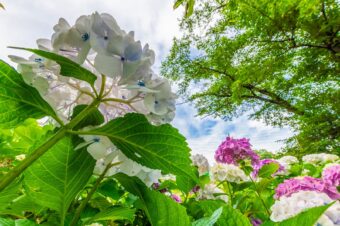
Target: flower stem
(15, 172)
(258, 194)
(82, 205)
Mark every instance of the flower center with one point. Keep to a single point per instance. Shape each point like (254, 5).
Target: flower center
(85, 37)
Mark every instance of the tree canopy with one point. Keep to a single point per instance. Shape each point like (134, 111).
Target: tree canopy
(278, 60)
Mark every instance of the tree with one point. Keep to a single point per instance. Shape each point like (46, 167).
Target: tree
(278, 60)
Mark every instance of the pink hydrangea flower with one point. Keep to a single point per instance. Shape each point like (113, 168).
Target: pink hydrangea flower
(232, 150)
(176, 198)
(257, 166)
(256, 221)
(331, 175)
(293, 185)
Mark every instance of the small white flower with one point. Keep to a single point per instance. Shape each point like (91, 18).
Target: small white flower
(201, 162)
(228, 172)
(321, 158)
(211, 191)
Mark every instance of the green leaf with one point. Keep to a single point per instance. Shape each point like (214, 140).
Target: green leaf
(20, 222)
(110, 188)
(94, 119)
(113, 214)
(209, 221)
(55, 179)
(157, 147)
(306, 218)
(160, 209)
(19, 101)
(68, 67)
(178, 3)
(267, 170)
(229, 216)
(9, 194)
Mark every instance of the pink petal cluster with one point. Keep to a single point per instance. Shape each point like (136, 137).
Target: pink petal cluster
(232, 150)
(257, 166)
(176, 198)
(256, 221)
(293, 185)
(331, 175)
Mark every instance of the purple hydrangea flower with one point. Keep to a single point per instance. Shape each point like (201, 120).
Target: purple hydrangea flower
(176, 198)
(257, 166)
(307, 183)
(232, 150)
(331, 175)
(256, 221)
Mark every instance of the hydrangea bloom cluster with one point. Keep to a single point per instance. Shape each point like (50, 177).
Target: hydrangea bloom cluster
(201, 162)
(319, 159)
(263, 162)
(232, 150)
(124, 75)
(211, 191)
(101, 46)
(287, 162)
(331, 175)
(288, 207)
(228, 172)
(294, 185)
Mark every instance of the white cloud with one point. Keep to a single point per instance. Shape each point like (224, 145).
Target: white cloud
(154, 22)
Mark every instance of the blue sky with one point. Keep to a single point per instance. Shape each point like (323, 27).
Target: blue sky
(154, 22)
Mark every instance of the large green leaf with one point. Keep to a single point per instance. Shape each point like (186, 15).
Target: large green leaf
(229, 216)
(94, 119)
(114, 213)
(267, 170)
(160, 209)
(67, 67)
(57, 177)
(157, 147)
(20, 222)
(306, 218)
(19, 101)
(209, 221)
(10, 193)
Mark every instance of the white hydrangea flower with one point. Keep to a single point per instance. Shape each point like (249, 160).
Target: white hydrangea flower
(228, 172)
(211, 191)
(201, 162)
(287, 162)
(320, 159)
(98, 43)
(288, 207)
(123, 69)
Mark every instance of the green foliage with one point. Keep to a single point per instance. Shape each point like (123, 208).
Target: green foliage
(94, 119)
(229, 216)
(158, 208)
(268, 170)
(259, 57)
(67, 67)
(209, 221)
(306, 218)
(157, 147)
(57, 177)
(19, 101)
(113, 213)
(20, 222)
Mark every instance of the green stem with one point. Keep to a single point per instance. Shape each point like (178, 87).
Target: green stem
(89, 195)
(258, 194)
(230, 193)
(15, 172)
